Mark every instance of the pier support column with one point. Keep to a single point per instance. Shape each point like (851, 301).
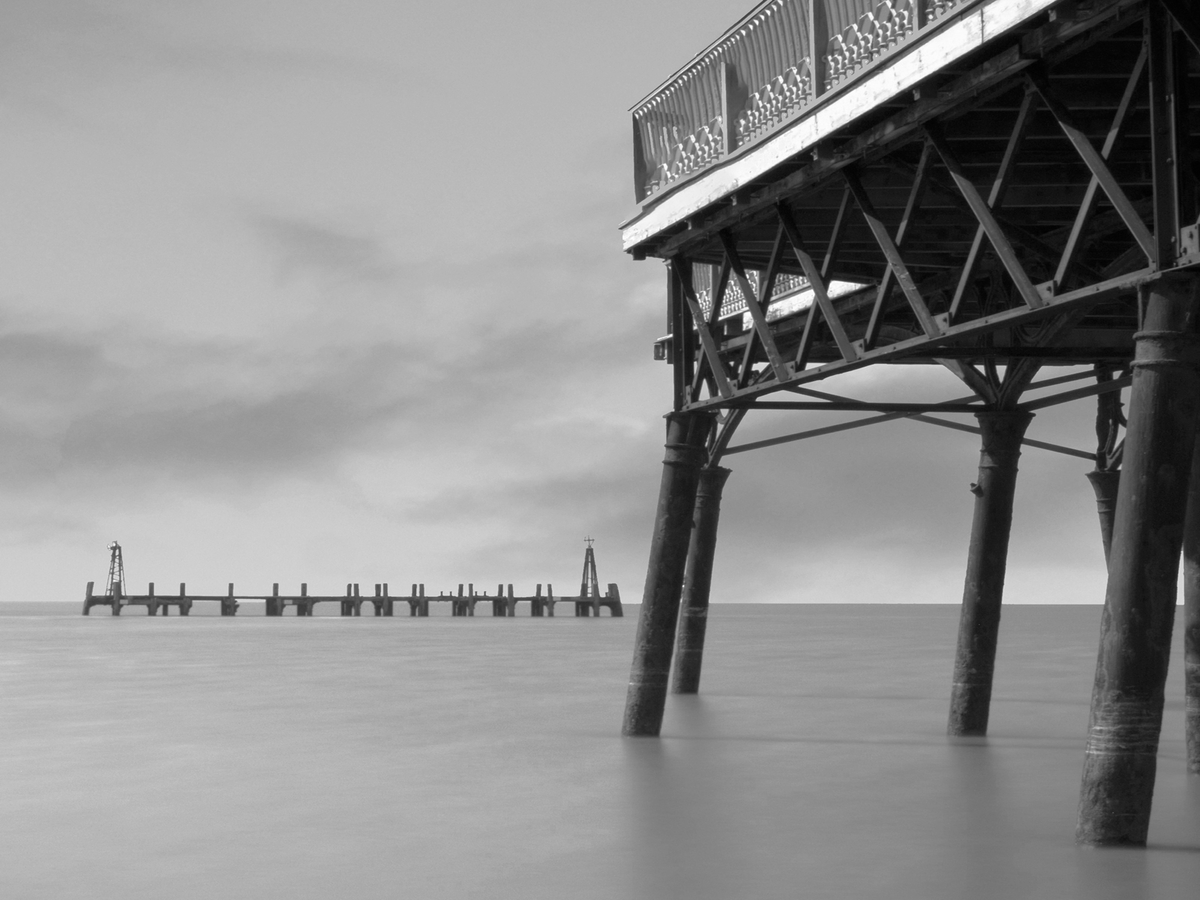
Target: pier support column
(1191, 617)
(1139, 603)
(987, 558)
(697, 579)
(1105, 483)
(687, 437)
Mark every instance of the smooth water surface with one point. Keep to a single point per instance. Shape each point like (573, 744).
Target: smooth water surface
(369, 758)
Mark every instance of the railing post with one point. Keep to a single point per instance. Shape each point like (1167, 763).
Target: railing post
(818, 36)
(1139, 604)
(732, 102)
(687, 437)
(640, 170)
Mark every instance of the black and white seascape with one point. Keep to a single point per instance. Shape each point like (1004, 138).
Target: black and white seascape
(376, 758)
(304, 298)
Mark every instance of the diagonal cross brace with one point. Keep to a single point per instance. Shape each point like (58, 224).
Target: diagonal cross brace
(891, 253)
(910, 209)
(815, 281)
(995, 197)
(711, 352)
(1087, 207)
(1099, 168)
(1184, 14)
(983, 213)
(756, 312)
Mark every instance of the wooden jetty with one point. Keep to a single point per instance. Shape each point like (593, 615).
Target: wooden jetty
(989, 186)
(503, 604)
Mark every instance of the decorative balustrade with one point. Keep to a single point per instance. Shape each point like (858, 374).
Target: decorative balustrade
(735, 301)
(761, 74)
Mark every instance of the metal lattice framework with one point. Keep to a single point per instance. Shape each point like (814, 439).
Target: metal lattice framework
(996, 187)
(998, 219)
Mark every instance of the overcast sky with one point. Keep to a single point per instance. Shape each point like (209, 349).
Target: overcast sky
(329, 292)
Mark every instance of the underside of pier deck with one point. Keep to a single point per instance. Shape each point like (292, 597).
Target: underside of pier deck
(989, 186)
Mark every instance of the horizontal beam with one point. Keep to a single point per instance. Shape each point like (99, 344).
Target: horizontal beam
(931, 345)
(863, 406)
(875, 420)
(1103, 387)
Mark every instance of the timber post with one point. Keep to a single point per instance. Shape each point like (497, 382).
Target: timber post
(697, 579)
(87, 598)
(687, 437)
(1191, 617)
(1139, 604)
(987, 559)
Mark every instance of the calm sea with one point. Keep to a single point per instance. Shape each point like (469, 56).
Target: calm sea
(445, 758)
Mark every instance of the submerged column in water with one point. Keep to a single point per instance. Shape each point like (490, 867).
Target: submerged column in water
(1139, 603)
(987, 559)
(697, 581)
(687, 436)
(1191, 617)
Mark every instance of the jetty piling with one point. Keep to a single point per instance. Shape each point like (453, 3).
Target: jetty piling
(987, 558)
(1191, 617)
(687, 437)
(697, 580)
(1139, 607)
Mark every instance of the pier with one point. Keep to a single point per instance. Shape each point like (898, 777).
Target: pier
(503, 604)
(588, 602)
(1005, 189)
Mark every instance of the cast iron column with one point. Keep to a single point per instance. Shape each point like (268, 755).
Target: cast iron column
(697, 579)
(1139, 604)
(987, 557)
(1105, 483)
(687, 435)
(1191, 617)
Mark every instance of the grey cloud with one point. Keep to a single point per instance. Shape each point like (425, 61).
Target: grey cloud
(90, 40)
(303, 247)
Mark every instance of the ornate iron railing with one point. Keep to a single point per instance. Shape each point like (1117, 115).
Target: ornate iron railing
(734, 302)
(761, 74)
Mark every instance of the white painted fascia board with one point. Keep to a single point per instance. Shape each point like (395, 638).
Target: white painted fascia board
(963, 37)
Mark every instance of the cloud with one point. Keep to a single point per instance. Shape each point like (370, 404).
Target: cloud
(334, 256)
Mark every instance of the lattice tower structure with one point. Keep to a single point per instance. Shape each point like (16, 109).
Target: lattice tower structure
(116, 585)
